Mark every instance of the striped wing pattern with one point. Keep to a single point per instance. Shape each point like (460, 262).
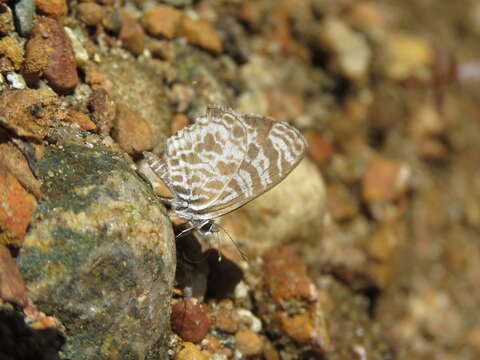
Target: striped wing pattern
(225, 160)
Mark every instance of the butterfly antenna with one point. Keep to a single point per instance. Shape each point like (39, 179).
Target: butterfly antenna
(237, 246)
(184, 232)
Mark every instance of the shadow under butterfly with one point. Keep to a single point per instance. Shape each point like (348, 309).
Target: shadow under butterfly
(223, 161)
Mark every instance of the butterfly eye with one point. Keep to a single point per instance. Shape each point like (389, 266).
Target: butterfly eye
(207, 227)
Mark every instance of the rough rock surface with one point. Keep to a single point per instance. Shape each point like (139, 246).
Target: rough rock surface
(100, 245)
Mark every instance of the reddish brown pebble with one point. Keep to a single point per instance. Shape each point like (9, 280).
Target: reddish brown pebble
(286, 276)
(384, 179)
(131, 132)
(249, 343)
(61, 70)
(189, 320)
(53, 8)
(28, 112)
(162, 21)
(12, 287)
(132, 35)
(201, 33)
(178, 123)
(320, 150)
(103, 110)
(90, 13)
(81, 120)
(16, 208)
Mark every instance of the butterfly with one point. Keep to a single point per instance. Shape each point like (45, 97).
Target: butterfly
(223, 161)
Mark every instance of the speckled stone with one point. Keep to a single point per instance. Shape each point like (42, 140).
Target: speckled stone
(100, 255)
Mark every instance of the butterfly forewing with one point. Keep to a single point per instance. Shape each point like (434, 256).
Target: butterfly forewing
(203, 157)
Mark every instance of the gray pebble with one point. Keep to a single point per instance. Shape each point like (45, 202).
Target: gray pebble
(24, 11)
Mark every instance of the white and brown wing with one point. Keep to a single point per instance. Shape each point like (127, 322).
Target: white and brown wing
(202, 158)
(225, 160)
(273, 150)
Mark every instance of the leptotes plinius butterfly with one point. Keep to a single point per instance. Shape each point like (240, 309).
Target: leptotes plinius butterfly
(223, 161)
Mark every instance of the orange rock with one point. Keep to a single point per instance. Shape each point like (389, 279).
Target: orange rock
(16, 164)
(12, 50)
(385, 179)
(191, 352)
(16, 207)
(132, 35)
(36, 60)
(249, 343)
(82, 120)
(53, 8)
(132, 133)
(90, 13)
(162, 21)
(12, 287)
(320, 150)
(300, 327)
(286, 276)
(28, 112)
(200, 33)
